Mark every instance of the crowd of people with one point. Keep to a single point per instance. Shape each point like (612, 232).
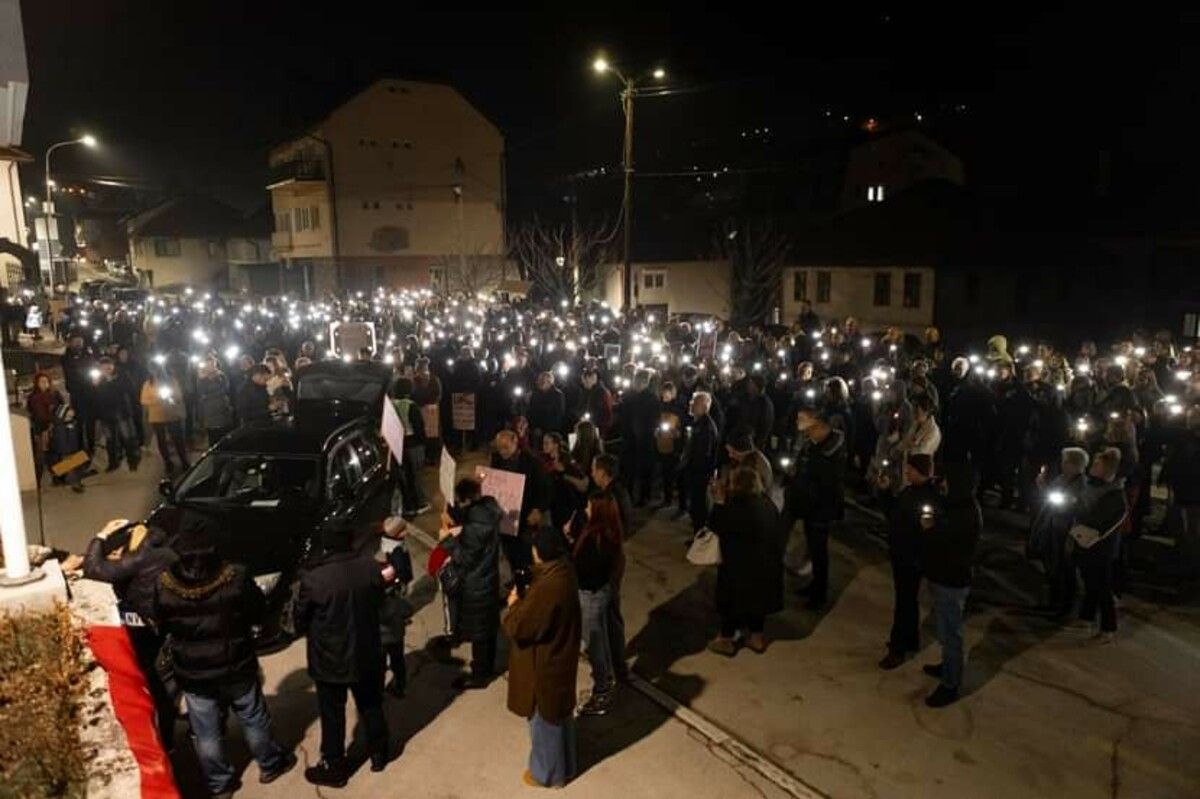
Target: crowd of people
(746, 432)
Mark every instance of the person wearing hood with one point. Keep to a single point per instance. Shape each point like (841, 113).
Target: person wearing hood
(950, 530)
(131, 557)
(470, 534)
(816, 494)
(893, 416)
(969, 417)
(338, 610)
(997, 352)
(206, 608)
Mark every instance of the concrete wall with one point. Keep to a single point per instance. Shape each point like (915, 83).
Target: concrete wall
(397, 148)
(688, 286)
(194, 264)
(12, 216)
(852, 293)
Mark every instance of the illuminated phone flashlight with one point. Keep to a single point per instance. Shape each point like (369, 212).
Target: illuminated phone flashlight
(1176, 409)
(979, 370)
(389, 359)
(1062, 388)
(1120, 360)
(650, 318)
(725, 369)
(613, 360)
(159, 358)
(686, 358)
(1183, 375)
(758, 366)
(1039, 363)
(563, 370)
(783, 376)
(587, 417)
(665, 427)
(1139, 351)
(518, 391)
(164, 393)
(1114, 415)
(157, 319)
(785, 462)
(810, 393)
(884, 463)
(876, 395)
(824, 356)
(892, 348)
(95, 375)
(973, 358)
(991, 374)
(625, 382)
(1081, 425)
(637, 349)
(1057, 498)
(1083, 368)
(449, 363)
(926, 510)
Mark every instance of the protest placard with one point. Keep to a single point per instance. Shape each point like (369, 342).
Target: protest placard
(392, 430)
(447, 472)
(462, 407)
(507, 488)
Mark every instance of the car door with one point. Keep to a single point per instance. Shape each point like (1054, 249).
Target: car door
(374, 499)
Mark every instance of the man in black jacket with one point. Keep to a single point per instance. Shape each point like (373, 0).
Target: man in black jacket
(77, 364)
(131, 557)
(816, 495)
(904, 549)
(111, 405)
(206, 607)
(338, 609)
(252, 399)
(699, 462)
(535, 502)
(637, 416)
(547, 410)
(950, 530)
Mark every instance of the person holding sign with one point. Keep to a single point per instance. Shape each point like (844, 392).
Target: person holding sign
(509, 457)
(474, 549)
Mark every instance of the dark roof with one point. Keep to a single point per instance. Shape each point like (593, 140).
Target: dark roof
(188, 217)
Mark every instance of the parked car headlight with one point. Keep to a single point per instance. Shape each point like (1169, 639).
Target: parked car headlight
(267, 582)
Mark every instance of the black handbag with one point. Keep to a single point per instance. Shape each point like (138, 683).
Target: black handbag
(451, 579)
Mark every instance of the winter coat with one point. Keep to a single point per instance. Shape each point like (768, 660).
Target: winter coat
(208, 625)
(252, 402)
(596, 403)
(427, 391)
(338, 609)
(597, 558)
(547, 411)
(948, 549)
(41, 406)
(1181, 469)
(922, 438)
(158, 409)
(816, 493)
(1102, 507)
(700, 453)
(750, 577)
(216, 411)
(760, 414)
(475, 552)
(545, 628)
(135, 575)
(638, 415)
(904, 521)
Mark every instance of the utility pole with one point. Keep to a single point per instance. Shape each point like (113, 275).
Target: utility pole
(627, 201)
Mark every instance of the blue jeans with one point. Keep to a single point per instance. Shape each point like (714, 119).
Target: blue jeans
(594, 606)
(552, 750)
(948, 604)
(204, 715)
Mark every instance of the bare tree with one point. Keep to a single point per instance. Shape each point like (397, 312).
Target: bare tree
(756, 250)
(564, 261)
(471, 272)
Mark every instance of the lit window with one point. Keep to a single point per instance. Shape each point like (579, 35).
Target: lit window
(879, 193)
(870, 194)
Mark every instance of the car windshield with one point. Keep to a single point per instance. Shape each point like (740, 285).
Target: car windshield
(250, 479)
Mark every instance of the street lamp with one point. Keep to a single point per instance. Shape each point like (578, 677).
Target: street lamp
(628, 92)
(87, 140)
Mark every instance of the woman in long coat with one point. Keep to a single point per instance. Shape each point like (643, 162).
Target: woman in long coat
(750, 577)
(475, 552)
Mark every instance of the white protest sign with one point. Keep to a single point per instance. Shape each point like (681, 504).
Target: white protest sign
(462, 408)
(447, 471)
(392, 430)
(349, 338)
(571, 438)
(507, 488)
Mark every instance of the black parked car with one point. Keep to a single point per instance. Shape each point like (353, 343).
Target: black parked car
(273, 485)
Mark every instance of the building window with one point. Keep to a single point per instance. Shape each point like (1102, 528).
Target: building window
(875, 193)
(166, 248)
(314, 215)
(800, 285)
(654, 279)
(824, 285)
(212, 248)
(375, 205)
(870, 194)
(971, 289)
(912, 289)
(883, 288)
(879, 193)
(436, 277)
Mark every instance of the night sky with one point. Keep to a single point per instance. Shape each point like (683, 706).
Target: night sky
(191, 95)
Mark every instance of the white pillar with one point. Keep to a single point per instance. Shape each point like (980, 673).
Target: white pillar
(12, 516)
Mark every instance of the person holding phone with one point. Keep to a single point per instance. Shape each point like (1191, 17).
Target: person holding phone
(474, 549)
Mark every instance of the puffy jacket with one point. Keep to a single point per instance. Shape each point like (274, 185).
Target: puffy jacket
(216, 411)
(160, 410)
(209, 625)
(476, 552)
(338, 609)
(816, 493)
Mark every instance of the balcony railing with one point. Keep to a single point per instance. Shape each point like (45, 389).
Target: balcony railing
(281, 239)
(296, 171)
